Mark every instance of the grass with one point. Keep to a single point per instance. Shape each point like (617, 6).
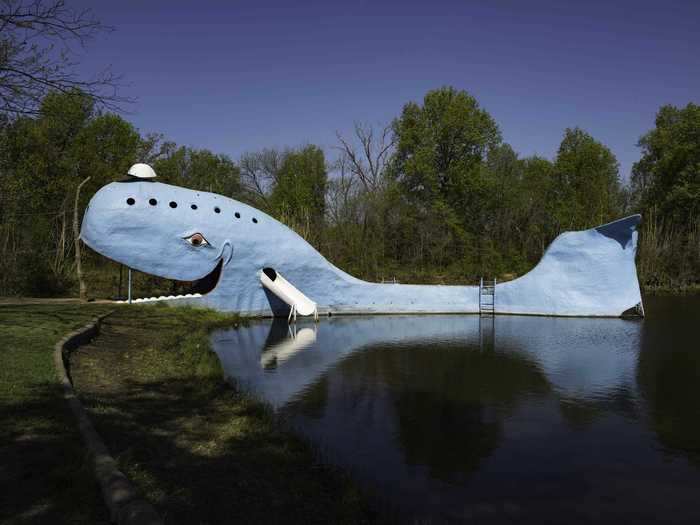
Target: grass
(686, 289)
(44, 472)
(198, 449)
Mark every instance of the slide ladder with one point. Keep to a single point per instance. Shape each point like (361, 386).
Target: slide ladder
(487, 297)
(298, 302)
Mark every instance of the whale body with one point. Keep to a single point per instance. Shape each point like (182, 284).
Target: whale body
(190, 235)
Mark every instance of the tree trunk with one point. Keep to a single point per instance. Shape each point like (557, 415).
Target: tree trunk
(76, 237)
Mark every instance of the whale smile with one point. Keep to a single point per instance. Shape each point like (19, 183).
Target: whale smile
(199, 288)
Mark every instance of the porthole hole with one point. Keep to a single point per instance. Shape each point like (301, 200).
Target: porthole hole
(173, 204)
(237, 215)
(152, 202)
(193, 206)
(255, 220)
(217, 210)
(130, 201)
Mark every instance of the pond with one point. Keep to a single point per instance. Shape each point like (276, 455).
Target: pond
(528, 419)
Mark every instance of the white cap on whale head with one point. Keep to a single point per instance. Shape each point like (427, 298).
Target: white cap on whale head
(142, 171)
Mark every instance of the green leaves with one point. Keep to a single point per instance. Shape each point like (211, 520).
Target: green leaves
(298, 194)
(43, 161)
(667, 176)
(199, 169)
(588, 189)
(441, 144)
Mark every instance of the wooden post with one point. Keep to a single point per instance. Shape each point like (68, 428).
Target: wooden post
(76, 240)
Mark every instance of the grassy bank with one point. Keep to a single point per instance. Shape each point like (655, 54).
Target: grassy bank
(199, 450)
(44, 474)
(689, 289)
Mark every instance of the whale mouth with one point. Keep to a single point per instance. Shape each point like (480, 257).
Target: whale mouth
(207, 283)
(198, 288)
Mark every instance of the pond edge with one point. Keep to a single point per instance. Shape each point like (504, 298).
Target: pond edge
(126, 506)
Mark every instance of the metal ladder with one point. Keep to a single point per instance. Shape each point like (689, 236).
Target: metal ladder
(487, 297)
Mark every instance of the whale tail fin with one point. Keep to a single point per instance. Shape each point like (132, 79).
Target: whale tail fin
(590, 273)
(621, 230)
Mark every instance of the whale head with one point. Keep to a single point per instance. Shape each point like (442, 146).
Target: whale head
(169, 231)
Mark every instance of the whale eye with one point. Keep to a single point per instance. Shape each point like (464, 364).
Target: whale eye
(197, 239)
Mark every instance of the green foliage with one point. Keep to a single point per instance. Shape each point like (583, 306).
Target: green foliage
(44, 160)
(298, 195)
(438, 175)
(466, 206)
(667, 177)
(200, 169)
(440, 147)
(666, 189)
(588, 184)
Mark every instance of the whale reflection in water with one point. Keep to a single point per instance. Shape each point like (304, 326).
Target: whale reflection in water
(246, 355)
(279, 352)
(451, 418)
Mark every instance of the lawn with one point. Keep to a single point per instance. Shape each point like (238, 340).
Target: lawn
(200, 450)
(44, 473)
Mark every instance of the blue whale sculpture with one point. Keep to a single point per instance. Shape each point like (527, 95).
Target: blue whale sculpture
(189, 235)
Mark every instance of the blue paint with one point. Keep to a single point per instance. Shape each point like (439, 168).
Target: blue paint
(587, 273)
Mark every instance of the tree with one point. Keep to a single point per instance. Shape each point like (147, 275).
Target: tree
(441, 145)
(44, 159)
(260, 171)
(299, 193)
(503, 179)
(667, 177)
(666, 189)
(199, 169)
(588, 183)
(369, 159)
(82, 287)
(537, 225)
(36, 56)
(438, 168)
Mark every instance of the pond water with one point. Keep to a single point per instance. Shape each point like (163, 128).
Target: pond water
(527, 419)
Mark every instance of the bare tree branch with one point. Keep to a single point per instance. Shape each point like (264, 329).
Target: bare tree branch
(370, 162)
(35, 56)
(260, 172)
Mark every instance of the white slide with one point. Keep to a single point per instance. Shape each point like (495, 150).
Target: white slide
(286, 291)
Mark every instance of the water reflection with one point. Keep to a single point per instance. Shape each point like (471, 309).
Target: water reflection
(452, 418)
(669, 374)
(277, 351)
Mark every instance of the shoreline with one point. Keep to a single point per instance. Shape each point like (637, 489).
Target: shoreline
(185, 437)
(156, 395)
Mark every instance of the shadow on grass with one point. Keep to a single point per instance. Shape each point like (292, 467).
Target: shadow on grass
(203, 453)
(45, 474)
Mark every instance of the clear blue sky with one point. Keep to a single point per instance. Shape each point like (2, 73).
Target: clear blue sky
(238, 76)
